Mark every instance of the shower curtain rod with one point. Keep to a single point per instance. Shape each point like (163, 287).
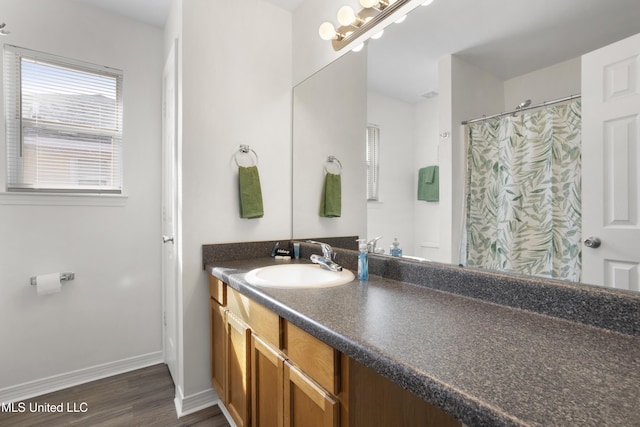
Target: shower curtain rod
(544, 104)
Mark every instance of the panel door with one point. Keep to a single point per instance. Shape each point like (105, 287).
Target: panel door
(170, 253)
(267, 390)
(218, 319)
(238, 370)
(610, 161)
(306, 404)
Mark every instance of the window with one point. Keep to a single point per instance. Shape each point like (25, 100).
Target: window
(373, 163)
(63, 124)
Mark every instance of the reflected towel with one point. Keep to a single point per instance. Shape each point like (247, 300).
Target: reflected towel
(250, 192)
(331, 199)
(429, 184)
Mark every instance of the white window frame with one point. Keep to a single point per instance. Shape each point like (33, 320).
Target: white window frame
(19, 192)
(373, 163)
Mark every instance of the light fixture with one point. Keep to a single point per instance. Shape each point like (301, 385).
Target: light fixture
(427, 3)
(346, 16)
(327, 31)
(353, 25)
(369, 3)
(401, 20)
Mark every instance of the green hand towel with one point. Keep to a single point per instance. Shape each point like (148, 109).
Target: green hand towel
(331, 199)
(250, 192)
(429, 184)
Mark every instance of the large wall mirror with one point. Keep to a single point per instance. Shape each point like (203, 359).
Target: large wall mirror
(448, 62)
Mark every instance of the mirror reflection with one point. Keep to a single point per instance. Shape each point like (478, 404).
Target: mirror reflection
(457, 61)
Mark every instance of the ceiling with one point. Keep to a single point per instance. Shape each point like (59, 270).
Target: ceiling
(155, 12)
(152, 12)
(507, 38)
(504, 37)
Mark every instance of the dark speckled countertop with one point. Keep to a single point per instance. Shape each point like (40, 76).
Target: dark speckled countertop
(482, 362)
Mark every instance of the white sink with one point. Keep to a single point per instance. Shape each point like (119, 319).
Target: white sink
(297, 276)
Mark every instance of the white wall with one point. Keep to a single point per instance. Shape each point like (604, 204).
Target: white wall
(427, 153)
(235, 89)
(547, 84)
(329, 118)
(393, 214)
(110, 315)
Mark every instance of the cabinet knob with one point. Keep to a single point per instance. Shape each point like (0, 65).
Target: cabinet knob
(167, 239)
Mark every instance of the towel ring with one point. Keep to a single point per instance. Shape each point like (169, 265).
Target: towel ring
(333, 159)
(245, 149)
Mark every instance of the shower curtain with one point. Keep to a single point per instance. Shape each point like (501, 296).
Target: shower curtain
(523, 207)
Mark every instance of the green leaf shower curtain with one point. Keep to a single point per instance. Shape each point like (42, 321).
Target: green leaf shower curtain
(523, 207)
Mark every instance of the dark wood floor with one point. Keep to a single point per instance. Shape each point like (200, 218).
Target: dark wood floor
(139, 398)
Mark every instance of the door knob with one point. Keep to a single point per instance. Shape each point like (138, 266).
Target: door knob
(166, 239)
(592, 242)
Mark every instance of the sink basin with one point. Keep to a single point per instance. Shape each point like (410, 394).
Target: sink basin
(297, 276)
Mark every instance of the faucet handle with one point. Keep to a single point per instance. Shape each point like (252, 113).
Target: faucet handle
(371, 244)
(327, 250)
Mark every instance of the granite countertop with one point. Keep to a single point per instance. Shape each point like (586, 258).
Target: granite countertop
(483, 363)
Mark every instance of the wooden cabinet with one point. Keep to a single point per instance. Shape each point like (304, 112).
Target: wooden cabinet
(218, 327)
(270, 373)
(267, 365)
(400, 408)
(317, 359)
(306, 404)
(238, 376)
(282, 394)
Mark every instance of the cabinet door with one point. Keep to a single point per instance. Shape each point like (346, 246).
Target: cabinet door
(267, 373)
(217, 317)
(306, 404)
(238, 370)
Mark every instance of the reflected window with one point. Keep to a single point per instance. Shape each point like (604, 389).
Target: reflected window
(373, 162)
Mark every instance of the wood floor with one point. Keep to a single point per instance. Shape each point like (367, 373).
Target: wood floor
(139, 398)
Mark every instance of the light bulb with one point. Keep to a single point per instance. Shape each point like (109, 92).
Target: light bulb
(378, 35)
(427, 3)
(368, 3)
(358, 48)
(401, 20)
(346, 16)
(327, 31)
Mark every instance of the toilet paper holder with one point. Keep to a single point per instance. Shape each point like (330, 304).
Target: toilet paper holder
(63, 277)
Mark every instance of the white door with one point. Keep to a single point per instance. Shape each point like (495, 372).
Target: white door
(169, 213)
(610, 161)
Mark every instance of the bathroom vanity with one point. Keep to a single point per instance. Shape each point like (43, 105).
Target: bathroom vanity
(419, 344)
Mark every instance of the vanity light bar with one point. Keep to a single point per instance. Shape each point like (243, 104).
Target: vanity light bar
(353, 25)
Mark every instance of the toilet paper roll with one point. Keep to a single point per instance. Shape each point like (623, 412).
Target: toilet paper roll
(48, 283)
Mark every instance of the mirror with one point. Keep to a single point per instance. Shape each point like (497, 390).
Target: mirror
(532, 48)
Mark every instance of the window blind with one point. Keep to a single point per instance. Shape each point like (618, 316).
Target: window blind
(63, 124)
(373, 166)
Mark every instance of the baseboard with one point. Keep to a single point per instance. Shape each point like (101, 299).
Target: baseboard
(186, 405)
(58, 382)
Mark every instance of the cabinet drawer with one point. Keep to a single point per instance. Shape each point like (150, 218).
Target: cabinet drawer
(318, 360)
(218, 290)
(261, 320)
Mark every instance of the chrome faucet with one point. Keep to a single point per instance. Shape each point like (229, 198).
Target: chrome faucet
(327, 260)
(371, 244)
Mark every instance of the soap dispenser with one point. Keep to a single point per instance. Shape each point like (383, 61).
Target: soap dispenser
(363, 260)
(395, 249)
